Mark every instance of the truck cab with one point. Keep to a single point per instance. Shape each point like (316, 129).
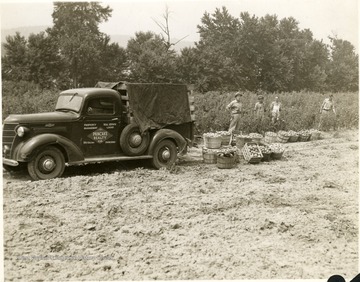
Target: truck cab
(109, 122)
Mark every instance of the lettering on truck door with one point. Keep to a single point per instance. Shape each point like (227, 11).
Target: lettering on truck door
(100, 128)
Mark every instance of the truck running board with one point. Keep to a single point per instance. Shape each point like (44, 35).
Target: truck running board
(110, 159)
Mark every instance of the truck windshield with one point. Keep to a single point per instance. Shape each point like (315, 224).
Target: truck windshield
(70, 102)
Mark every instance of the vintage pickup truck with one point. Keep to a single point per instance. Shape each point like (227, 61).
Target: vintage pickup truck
(109, 122)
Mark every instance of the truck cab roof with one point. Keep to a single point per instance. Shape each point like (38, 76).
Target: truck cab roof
(90, 92)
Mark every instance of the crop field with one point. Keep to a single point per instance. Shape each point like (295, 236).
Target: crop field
(299, 111)
(294, 218)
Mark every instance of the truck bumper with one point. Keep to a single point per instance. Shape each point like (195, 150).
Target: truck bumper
(10, 162)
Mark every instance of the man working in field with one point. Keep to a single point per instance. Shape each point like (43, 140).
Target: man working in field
(259, 108)
(275, 109)
(325, 111)
(235, 107)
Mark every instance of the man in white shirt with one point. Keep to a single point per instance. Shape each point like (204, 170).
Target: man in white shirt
(275, 109)
(327, 107)
(235, 107)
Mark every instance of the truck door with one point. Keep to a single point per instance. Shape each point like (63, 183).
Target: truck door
(100, 127)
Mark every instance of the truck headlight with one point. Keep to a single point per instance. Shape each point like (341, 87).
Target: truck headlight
(6, 149)
(20, 131)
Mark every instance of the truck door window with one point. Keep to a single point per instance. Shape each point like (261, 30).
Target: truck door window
(101, 106)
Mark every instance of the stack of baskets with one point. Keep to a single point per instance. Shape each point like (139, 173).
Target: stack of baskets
(270, 137)
(214, 153)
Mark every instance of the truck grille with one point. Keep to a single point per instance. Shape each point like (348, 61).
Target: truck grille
(9, 134)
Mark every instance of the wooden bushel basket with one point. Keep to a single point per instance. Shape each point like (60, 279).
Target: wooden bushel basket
(225, 139)
(212, 142)
(315, 136)
(277, 156)
(209, 157)
(241, 141)
(293, 138)
(225, 162)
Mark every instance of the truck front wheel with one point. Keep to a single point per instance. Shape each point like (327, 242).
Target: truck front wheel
(165, 154)
(48, 163)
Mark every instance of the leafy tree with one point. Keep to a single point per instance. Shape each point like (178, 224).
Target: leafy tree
(14, 63)
(44, 62)
(188, 65)
(79, 39)
(150, 60)
(216, 50)
(113, 63)
(343, 68)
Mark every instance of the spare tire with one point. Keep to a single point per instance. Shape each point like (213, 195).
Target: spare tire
(132, 141)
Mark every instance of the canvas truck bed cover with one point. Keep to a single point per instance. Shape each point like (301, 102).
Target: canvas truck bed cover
(155, 105)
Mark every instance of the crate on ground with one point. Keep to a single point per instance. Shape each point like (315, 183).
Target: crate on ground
(282, 136)
(252, 153)
(270, 137)
(212, 140)
(225, 137)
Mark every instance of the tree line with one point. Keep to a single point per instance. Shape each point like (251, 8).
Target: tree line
(233, 53)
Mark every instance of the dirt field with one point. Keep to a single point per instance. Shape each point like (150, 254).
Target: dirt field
(287, 219)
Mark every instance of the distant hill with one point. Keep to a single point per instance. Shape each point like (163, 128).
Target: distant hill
(122, 40)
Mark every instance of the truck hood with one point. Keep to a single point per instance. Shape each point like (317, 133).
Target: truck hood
(42, 117)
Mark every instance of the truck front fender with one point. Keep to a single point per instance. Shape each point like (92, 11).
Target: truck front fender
(27, 149)
(162, 134)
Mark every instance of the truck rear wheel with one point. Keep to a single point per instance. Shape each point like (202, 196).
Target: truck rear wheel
(48, 163)
(132, 141)
(165, 154)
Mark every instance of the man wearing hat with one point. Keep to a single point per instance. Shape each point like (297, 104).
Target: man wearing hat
(235, 107)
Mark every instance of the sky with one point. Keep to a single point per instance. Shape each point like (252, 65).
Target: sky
(323, 17)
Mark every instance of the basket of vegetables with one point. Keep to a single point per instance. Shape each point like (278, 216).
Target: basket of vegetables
(315, 134)
(283, 136)
(304, 135)
(209, 155)
(270, 137)
(256, 137)
(241, 140)
(293, 136)
(212, 140)
(226, 158)
(252, 153)
(266, 152)
(277, 151)
(225, 137)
